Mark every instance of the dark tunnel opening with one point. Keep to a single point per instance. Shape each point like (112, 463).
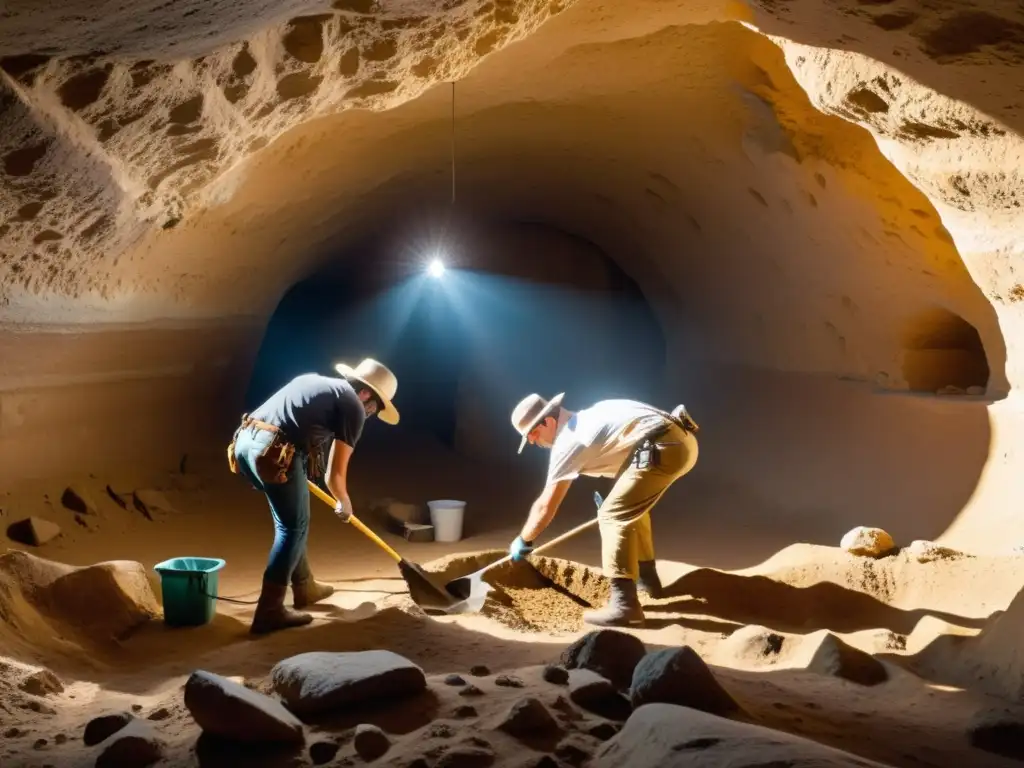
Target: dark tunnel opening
(522, 307)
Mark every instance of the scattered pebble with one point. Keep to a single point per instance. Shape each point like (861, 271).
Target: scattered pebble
(479, 670)
(323, 751)
(471, 690)
(509, 681)
(101, 728)
(370, 742)
(556, 674)
(454, 680)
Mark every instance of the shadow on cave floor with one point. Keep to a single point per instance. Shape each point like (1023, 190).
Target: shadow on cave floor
(758, 600)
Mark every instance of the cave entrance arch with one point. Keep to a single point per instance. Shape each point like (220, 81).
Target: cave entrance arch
(941, 349)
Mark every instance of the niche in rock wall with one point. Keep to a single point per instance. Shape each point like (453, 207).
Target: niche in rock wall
(943, 353)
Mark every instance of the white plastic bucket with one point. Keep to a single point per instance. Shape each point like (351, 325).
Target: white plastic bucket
(446, 517)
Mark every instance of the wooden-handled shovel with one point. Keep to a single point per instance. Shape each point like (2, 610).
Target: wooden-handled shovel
(474, 589)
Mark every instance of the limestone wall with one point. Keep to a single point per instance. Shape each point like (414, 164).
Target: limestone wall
(831, 191)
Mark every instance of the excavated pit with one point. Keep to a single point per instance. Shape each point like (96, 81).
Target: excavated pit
(546, 594)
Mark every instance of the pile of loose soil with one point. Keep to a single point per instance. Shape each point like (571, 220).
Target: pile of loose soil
(545, 595)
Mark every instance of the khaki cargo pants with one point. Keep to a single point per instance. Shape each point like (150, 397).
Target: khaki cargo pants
(625, 517)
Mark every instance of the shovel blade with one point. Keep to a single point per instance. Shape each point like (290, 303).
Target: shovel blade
(422, 590)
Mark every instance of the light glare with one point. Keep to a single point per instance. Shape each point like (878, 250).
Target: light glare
(436, 268)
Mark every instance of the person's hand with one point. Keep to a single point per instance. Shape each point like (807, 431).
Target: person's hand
(343, 509)
(519, 549)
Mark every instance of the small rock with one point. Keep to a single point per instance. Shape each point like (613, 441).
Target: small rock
(159, 714)
(323, 751)
(755, 643)
(928, 551)
(975, 390)
(227, 709)
(320, 681)
(471, 690)
(509, 681)
(555, 674)
(479, 670)
(835, 658)
(33, 531)
(528, 717)
(60, 738)
(440, 731)
(680, 676)
(589, 690)
(101, 728)
(41, 683)
(603, 731)
(454, 680)
(464, 756)
(867, 542)
(609, 652)
(14, 732)
(466, 710)
(573, 750)
(370, 742)
(134, 746)
(40, 744)
(78, 500)
(150, 501)
(35, 705)
(136, 708)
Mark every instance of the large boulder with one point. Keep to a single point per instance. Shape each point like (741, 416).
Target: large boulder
(680, 676)
(224, 708)
(320, 681)
(608, 652)
(670, 736)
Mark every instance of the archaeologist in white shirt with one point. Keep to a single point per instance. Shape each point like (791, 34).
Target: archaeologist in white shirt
(644, 448)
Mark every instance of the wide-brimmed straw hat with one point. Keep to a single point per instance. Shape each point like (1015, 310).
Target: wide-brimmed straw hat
(530, 412)
(380, 380)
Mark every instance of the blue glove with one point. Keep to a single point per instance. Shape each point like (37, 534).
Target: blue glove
(519, 549)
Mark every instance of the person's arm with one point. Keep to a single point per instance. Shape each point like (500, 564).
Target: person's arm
(349, 418)
(336, 476)
(544, 509)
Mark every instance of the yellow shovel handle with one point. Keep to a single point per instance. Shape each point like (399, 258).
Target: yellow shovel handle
(327, 499)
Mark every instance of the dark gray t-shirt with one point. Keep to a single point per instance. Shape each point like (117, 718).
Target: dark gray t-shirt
(313, 409)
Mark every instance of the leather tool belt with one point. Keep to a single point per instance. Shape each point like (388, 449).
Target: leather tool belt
(273, 463)
(648, 450)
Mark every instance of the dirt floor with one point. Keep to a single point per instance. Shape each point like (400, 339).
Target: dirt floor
(82, 637)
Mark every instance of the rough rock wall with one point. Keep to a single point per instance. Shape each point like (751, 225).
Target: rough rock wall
(832, 189)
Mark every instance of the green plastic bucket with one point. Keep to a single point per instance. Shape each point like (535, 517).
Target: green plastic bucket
(189, 589)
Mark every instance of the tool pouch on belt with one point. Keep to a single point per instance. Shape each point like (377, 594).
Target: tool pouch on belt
(647, 454)
(273, 463)
(232, 461)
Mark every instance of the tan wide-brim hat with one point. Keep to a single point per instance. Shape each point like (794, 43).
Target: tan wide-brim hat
(530, 412)
(379, 378)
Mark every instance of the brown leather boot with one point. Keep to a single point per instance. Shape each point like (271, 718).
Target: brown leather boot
(649, 580)
(271, 612)
(623, 608)
(305, 589)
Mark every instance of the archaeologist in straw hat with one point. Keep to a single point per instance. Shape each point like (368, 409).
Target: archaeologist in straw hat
(281, 444)
(644, 449)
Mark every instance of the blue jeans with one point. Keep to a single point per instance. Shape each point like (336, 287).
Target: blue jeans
(289, 504)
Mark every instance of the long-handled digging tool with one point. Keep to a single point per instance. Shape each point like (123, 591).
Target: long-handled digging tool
(472, 590)
(422, 590)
